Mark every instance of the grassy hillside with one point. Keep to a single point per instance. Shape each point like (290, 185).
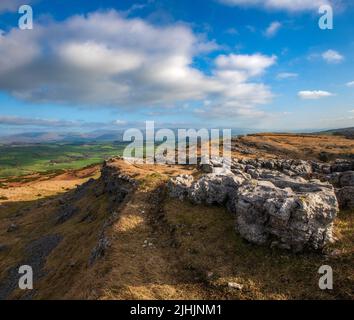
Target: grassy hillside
(161, 248)
(294, 146)
(19, 160)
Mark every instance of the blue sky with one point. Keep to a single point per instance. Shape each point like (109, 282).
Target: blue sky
(89, 65)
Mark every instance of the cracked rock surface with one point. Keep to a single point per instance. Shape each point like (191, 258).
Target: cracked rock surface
(276, 203)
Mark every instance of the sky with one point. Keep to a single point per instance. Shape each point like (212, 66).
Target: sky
(93, 65)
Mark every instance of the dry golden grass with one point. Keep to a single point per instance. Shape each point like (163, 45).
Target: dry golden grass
(42, 186)
(66, 266)
(195, 252)
(297, 146)
(162, 248)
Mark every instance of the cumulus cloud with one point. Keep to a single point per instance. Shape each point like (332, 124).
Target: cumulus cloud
(251, 65)
(332, 56)
(288, 5)
(105, 58)
(101, 59)
(308, 95)
(273, 29)
(350, 84)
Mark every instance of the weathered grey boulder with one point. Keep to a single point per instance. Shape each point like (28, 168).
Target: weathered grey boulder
(210, 189)
(322, 168)
(346, 179)
(345, 197)
(241, 173)
(344, 183)
(222, 171)
(179, 186)
(300, 167)
(277, 178)
(238, 166)
(341, 179)
(284, 218)
(342, 165)
(274, 204)
(290, 167)
(214, 164)
(215, 188)
(218, 162)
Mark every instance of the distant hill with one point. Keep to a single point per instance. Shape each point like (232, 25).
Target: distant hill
(117, 135)
(73, 137)
(346, 132)
(47, 137)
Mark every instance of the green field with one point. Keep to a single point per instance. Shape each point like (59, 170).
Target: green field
(19, 160)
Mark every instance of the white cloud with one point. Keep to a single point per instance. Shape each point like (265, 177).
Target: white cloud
(332, 56)
(99, 58)
(107, 59)
(288, 5)
(350, 84)
(102, 59)
(273, 29)
(308, 95)
(252, 65)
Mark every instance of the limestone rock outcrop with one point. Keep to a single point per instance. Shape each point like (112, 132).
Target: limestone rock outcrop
(286, 218)
(274, 204)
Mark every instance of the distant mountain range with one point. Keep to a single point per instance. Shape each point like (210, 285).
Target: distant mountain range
(68, 137)
(117, 135)
(74, 137)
